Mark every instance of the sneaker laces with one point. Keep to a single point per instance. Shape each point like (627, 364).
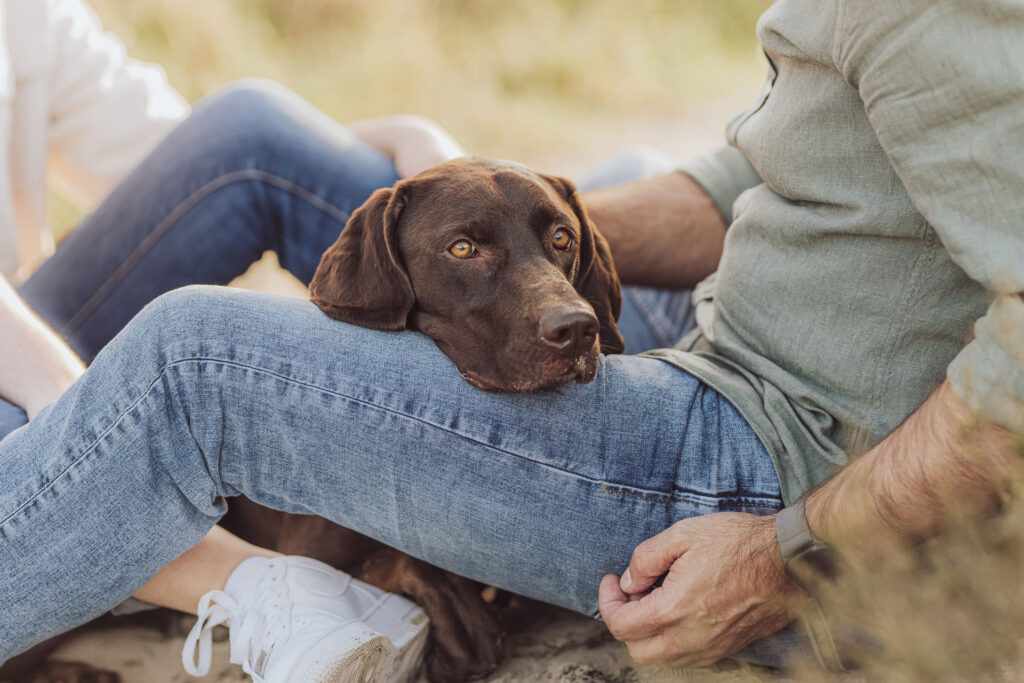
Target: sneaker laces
(250, 630)
(215, 608)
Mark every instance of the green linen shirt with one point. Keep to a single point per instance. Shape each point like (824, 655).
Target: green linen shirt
(875, 195)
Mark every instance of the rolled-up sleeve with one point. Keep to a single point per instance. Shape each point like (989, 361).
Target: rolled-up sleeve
(724, 174)
(107, 110)
(989, 373)
(942, 85)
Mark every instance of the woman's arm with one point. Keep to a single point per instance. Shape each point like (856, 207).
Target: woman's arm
(35, 365)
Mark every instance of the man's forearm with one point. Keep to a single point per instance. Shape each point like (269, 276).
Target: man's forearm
(663, 231)
(35, 365)
(939, 464)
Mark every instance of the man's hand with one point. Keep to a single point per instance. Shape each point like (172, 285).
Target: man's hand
(725, 588)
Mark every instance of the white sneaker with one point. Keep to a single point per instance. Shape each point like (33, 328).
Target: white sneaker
(404, 623)
(296, 620)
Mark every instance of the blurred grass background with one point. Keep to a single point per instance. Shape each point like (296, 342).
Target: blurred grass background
(558, 84)
(511, 79)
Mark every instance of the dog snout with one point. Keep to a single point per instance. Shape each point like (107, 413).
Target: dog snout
(568, 328)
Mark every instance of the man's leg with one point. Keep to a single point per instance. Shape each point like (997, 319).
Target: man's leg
(214, 393)
(254, 168)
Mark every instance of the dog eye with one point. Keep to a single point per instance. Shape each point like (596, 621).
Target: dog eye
(561, 239)
(462, 249)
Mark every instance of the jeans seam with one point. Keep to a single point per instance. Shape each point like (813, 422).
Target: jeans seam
(183, 361)
(384, 408)
(87, 451)
(683, 499)
(196, 196)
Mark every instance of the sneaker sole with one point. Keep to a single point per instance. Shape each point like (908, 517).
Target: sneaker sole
(406, 625)
(354, 654)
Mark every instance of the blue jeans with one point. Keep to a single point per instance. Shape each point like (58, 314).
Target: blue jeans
(210, 393)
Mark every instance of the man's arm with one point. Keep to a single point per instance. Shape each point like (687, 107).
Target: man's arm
(941, 462)
(726, 585)
(35, 365)
(664, 231)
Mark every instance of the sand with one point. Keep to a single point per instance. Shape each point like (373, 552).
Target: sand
(543, 644)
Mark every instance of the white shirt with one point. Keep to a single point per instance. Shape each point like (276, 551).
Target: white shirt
(74, 112)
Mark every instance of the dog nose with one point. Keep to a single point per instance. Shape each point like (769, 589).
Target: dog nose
(568, 327)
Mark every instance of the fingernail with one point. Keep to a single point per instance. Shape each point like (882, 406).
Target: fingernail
(625, 582)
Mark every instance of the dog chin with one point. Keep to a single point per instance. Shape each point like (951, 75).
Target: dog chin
(583, 369)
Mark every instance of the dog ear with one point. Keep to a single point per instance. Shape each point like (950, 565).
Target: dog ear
(360, 279)
(596, 279)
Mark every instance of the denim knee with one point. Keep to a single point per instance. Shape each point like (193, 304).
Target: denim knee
(245, 118)
(178, 323)
(245, 95)
(256, 124)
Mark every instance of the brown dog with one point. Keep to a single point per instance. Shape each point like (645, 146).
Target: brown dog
(503, 269)
(497, 263)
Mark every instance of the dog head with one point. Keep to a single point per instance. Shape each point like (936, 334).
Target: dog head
(498, 264)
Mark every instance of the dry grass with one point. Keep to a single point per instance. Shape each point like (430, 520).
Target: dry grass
(509, 79)
(517, 79)
(950, 610)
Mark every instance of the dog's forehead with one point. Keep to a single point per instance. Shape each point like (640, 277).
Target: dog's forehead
(487, 183)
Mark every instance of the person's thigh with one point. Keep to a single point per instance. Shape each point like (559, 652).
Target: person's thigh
(212, 393)
(254, 168)
(650, 318)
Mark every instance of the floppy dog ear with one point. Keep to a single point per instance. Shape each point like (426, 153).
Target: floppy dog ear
(596, 279)
(360, 279)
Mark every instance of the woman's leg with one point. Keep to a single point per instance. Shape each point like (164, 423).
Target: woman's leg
(214, 393)
(205, 567)
(254, 168)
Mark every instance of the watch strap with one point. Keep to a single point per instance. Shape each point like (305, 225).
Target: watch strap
(797, 543)
(793, 532)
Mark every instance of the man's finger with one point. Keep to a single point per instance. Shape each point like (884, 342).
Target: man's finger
(672, 647)
(627, 618)
(610, 597)
(652, 558)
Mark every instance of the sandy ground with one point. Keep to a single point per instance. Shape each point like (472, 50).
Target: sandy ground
(544, 643)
